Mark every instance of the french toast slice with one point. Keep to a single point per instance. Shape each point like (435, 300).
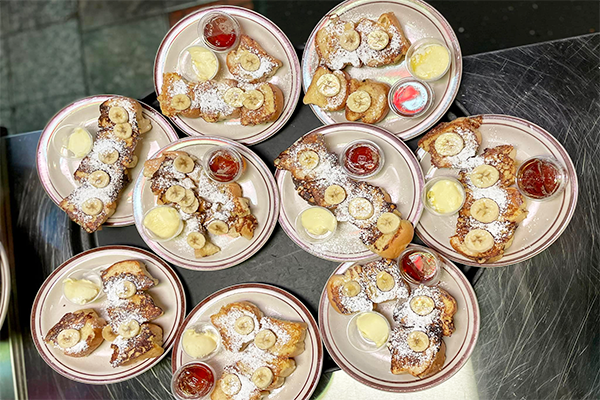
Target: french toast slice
(314, 93)
(128, 270)
(384, 281)
(236, 338)
(394, 47)
(289, 336)
(250, 63)
(378, 94)
(146, 344)
(240, 389)
(174, 85)
(389, 245)
(328, 43)
(417, 363)
(134, 110)
(82, 333)
(255, 358)
(209, 98)
(502, 158)
(139, 307)
(270, 109)
(347, 293)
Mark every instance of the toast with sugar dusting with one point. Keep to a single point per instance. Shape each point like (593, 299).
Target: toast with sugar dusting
(270, 108)
(336, 43)
(77, 334)
(423, 363)
(236, 337)
(376, 96)
(325, 82)
(382, 42)
(250, 63)
(146, 344)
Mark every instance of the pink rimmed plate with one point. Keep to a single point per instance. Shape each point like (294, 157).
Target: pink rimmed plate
(273, 302)
(5, 284)
(257, 185)
(273, 41)
(373, 369)
(50, 305)
(400, 176)
(418, 20)
(545, 221)
(56, 172)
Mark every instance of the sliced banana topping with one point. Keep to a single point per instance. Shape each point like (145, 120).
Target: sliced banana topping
(133, 162)
(145, 125)
(230, 384)
(360, 208)
(385, 281)
(359, 101)
(188, 199)
(484, 176)
(335, 194)
(253, 99)
(262, 377)
(250, 61)
(418, 341)
(479, 240)
(109, 157)
(485, 210)
(196, 240)
(129, 329)
(123, 130)
(449, 144)
(308, 159)
(118, 115)
(378, 39)
(108, 334)
(234, 97)
(175, 194)
(388, 222)
(218, 227)
(99, 179)
(244, 325)
(92, 206)
(192, 208)
(126, 290)
(329, 85)
(422, 305)
(68, 338)
(183, 163)
(351, 289)
(349, 40)
(265, 339)
(181, 102)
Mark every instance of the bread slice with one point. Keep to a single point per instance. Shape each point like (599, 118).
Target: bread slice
(87, 323)
(290, 336)
(419, 364)
(371, 271)
(500, 157)
(348, 304)
(225, 320)
(396, 47)
(390, 245)
(174, 84)
(254, 358)
(131, 270)
(209, 98)
(139, 307)
(328, 46)
(146, 344)
(332, 103)
(248, 46)
(269, 111)
(248, 389)
(378, 91)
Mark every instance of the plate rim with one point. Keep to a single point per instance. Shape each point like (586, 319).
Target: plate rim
(458, 59)
(43, 171)
(273, 213)
(268, 287)
(278, 34)
(5, 284)
(37, 336)
(572, 173)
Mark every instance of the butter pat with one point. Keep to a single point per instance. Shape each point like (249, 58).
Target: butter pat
(199, 344)
(80, 291)
(373, 327)
(164, 222)
(445, 196)
(205, 62)
(318, 221)
(79, 142)
(430, 61)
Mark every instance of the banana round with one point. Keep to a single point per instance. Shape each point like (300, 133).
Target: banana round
(230, 384)
(349, 40)
(196, 240)
(418, 341)
(308, 159)
(422, 305)
(123, 130)
(449, 144)
(133, 162)
(334, 194)
(479, 240)
(234, 97)
(118, 115)
(253, 99)
(68, 338)
(175, 194)
(360, 208)
(244, 325)
(378, 39)
(181, 102)
(359, 101)
(485, 210)
(262, 377)
(183, 164)
(128, 289)
(250, 62)
(218, 228)
(388, 222)
(109, 157)
(484, 176)
(92, 206)
(192, 208)
(385, 281)
(188, 199)
(99, 179)
(129, 329)
(145, 125)
(265, 339)
(351, 289)
(329, 85)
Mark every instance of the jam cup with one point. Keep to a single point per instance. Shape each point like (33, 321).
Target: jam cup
(203, 328)
(227, 152)
(178, 381)
(213, 20)
(358, 341)
(185, 66)
(410, 272)
(420, 106)
(561, 177)
(60, 140)
(308, 237)
(153, 236)
(422, 43)
(374, 146)
(428, 187)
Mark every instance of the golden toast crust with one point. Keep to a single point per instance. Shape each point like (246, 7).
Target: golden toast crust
(333, 103)
(379, 107)
(268, 64)
(394, 51)
(89, 325)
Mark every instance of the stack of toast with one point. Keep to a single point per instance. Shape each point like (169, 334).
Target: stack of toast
(321, 181)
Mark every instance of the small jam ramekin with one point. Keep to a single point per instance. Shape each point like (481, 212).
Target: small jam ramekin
(368, 143)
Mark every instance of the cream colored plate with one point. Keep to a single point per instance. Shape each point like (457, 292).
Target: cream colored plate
(50, 305)
(546, 220)
(273, 302)
(56, 172)
(272, 40)
(257, 185)
(5, 284)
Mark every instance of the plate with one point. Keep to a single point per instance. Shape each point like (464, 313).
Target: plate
(418, 20)
(546, 220)
(4, 284)
(273, 302)
(257, 185)
(56, 172)
(400, 176)
(373, 369)
(50, 305)
(272, 40)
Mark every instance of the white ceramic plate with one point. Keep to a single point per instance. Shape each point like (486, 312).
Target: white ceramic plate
(50, 305)
(418, 20)
(257, 185)
(272, 40)
(5, 284)
(373, 369)
(546, 220)
(56, 172)
(400, 176)
(273, 302)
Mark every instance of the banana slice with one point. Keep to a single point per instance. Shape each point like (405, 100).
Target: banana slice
(244, 325)
(385, 281)
(144, 125)
(308, 159)
(218, 227)
(192, 208)
(183, 164)
(262, 377)
(479, 240)
(230, 384)
(109, 157)
(126, 290)
(335, 194)
(250, 61)
(265, 339)
(188, 199)
(360, 208)
(485, 210)
(175, 194)
(449, 144)
(378, 39)
(118, 115)
(418, 341)
(484, 176)
(196, 240)
(108, 334)
(129, 329)
(234, 97)
(123, 130)
(133, 162)
(181, 102)
(349, 40)
(92, 206)
(253, 99)
(388, 222)
(359, 101)
(351, 289)
(329, 85)
(68, 338)
(99, 179)
(422, 305)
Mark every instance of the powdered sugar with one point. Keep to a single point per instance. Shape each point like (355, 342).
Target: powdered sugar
(463, 159)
